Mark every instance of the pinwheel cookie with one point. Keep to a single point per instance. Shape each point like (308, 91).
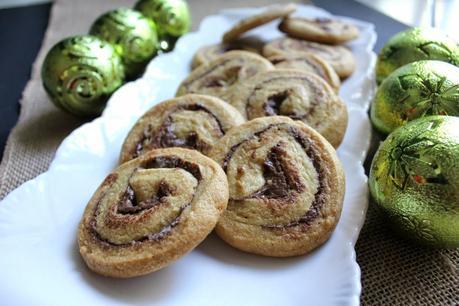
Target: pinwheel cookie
(218, 76)
(286, 187)
(191, 121)
(339, 57)
(323, 30)
(272, 13)
(299, 95)
(310, 63)
(151, 211)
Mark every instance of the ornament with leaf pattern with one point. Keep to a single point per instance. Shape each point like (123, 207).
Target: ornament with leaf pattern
(430, 50)
(438, 51)
(410, 160)
(435, 97)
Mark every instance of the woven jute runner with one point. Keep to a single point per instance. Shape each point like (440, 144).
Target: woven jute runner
(394, 272)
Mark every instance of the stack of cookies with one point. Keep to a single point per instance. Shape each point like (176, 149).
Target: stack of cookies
(246, 148)
(298, 75)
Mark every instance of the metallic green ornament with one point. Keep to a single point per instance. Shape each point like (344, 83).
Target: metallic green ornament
(133, 36)
(412, 45)
(80, 73)
(171, 16)
(418, 89)
(414, 179)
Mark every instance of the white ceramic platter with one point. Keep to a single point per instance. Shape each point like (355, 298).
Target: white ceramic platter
(39, 260)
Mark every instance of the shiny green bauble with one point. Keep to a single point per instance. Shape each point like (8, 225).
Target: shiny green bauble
(418, 89)
(171, 16)
(133, 36)
(80, 73)
(412, 45)
(414, 179)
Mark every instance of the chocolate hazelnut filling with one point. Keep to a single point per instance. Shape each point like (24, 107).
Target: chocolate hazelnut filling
(276, 61)
(282, 180)
(319, 197)
(273, 104)
(279, 175)
(127, 204)
(173, 162)
(164, 136)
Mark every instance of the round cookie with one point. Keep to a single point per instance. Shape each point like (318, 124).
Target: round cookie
(191, 121)
(217, 77)
(286, 187)
(151, 211)
(339, 57)
(208, 53)
(322, 30)
(309, 63)
(296, 94)
(275, 12)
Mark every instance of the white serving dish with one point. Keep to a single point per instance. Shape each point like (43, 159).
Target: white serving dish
(39, 259)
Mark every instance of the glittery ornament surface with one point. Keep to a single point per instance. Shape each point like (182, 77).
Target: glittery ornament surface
(133, 36)
(414, 45)
(172, 18)
(414, 178)
(80, 73)
(416, 90)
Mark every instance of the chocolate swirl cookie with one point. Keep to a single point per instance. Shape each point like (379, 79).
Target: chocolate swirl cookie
(191, 121)
(339, 57)
(208, 53)
(218, 76)
(299, 95)
(286, 187)
(323, 30)
(309, 63)
(151, 211)
(251, 22)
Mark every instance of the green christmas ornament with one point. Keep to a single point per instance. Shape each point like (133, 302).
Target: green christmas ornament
(171, 16)
(414, 179)
(80, 73)
(418, 89)
(413, 45)
(133, 36)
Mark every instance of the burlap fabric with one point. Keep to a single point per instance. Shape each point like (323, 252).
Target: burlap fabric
(394, 272)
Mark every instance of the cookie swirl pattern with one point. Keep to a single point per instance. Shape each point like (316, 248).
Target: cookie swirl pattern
(191, 121)
(151, 211)
(323, 30)
(286, 187)
(339, 57)
(299, 95)
(217, 77)
(309, 63)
